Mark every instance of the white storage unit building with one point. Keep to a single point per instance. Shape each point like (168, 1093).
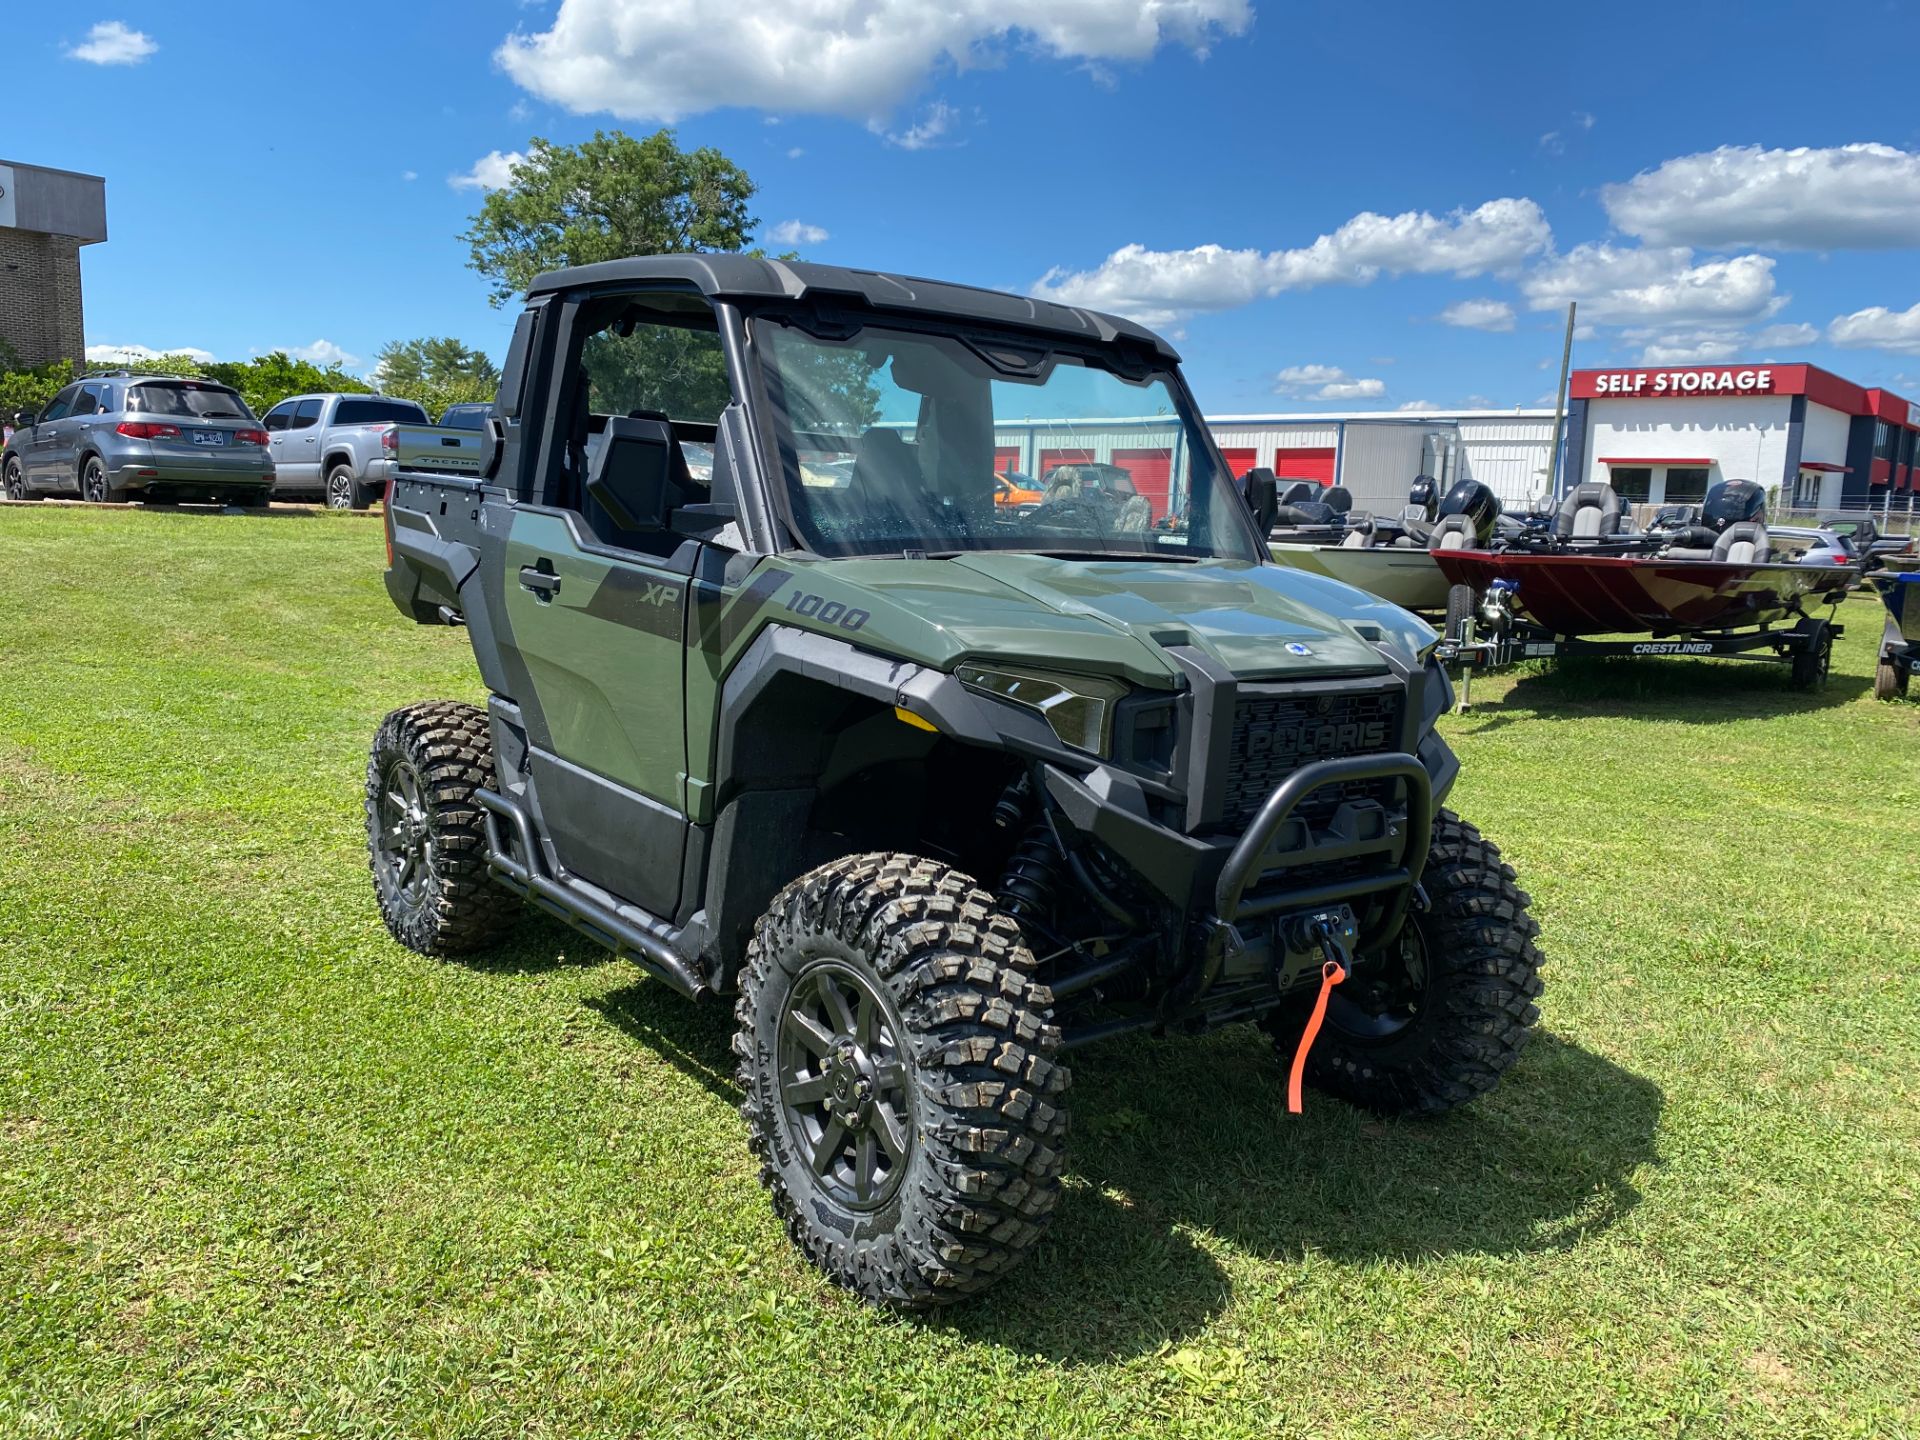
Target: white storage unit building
(1375, 456)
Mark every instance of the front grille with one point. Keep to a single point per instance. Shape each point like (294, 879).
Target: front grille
(1274, 735)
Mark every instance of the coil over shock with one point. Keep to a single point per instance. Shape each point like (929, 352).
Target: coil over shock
(1032, 877)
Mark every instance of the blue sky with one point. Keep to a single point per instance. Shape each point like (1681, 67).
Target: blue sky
(1332, 205)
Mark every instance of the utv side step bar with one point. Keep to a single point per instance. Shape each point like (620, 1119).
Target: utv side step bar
(650, 950)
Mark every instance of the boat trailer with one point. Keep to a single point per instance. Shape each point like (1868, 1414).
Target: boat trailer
(1495, 637)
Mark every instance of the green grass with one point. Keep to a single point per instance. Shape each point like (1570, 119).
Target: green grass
(264, 1172)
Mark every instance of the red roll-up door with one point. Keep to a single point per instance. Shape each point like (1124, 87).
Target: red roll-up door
(1239, 461)
(1051, 458)
(1005, 458)
(1151, 470)
(1309, 463)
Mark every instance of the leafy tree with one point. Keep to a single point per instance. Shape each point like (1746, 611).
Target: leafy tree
(437, 361)
(605, 199)
(24, 387)
(614, 196)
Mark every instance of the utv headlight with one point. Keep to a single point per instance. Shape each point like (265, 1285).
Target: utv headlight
(1079, 708)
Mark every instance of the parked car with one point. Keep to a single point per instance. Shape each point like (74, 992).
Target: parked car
(1022, 492)
(338, 448)
(155, 437)
(470, 415)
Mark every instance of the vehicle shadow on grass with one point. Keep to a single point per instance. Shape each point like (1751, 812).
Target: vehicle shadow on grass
(1184, 1144)
(1182, 1152)
(1693, 692)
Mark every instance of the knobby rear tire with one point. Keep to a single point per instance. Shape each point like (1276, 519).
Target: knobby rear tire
(459, 909)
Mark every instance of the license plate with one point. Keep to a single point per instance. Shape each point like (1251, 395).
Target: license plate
(209, 437)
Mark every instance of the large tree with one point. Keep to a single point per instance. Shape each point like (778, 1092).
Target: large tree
(436, 370)
(604, 199)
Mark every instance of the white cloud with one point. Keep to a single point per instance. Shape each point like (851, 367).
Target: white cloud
(113, 42)
(492, 171)
(796, 232)
(323, 353)
(1877, 328)
(1860, 197)
(795, 153)
(409, 175)
(133, 354)
(1417, 407)
(519, 111)
(1479, 315)
(929, 131)
(1552, 144)
(1622, 286)
(1711, 346)
(665, 59)
(1158, 287)
(1352, 390)
(1327, 382)
(1583, 119)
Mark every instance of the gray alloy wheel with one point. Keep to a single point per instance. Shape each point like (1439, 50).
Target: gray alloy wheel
(93, 482)
(340, 489)
(16, 483)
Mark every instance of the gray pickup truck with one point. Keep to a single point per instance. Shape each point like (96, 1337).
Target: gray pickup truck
(339, 448)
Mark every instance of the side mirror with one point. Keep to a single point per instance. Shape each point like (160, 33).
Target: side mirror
(632, 478)
(1263, 499)
(24, 418)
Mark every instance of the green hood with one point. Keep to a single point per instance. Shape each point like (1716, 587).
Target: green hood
(1115, 615)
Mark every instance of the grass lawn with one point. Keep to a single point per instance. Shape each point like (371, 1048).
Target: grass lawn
(264, 1172)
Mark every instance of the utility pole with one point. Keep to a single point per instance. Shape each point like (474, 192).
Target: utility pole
(1560, 407)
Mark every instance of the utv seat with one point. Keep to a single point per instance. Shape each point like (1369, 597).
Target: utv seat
(1590, 512)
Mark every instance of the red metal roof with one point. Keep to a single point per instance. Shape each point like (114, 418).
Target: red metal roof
(1827, 466)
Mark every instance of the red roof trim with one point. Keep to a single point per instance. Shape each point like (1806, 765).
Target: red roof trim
(1827, 466)
(1635, 460)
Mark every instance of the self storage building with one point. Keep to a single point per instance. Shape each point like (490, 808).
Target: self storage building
(1662, 435)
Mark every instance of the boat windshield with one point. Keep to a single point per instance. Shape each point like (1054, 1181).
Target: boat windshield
(894, 441)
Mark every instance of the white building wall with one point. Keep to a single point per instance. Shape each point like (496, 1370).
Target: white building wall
(1745, 436)
(1377, 462)
(1508, 455)
(1824, 438)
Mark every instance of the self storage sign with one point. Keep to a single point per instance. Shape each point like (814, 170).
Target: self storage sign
(1734, 380)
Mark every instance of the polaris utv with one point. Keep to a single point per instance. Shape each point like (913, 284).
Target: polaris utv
(937, 790)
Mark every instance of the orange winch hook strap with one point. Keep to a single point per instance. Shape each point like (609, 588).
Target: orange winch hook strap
(1331, 974)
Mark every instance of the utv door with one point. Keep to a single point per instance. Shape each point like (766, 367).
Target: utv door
(600, 633)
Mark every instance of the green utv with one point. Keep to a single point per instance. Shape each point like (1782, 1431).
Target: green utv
(937, 789)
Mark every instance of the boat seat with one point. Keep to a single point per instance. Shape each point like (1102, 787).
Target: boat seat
(1742, 544)
(1590, 512)
(1686, 552)
(1454, 532)
(1360, 536)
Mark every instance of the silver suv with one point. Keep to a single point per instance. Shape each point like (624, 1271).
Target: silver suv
(152, 437)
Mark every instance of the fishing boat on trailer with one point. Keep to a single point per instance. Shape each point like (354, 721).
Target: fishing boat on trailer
(1711, 588)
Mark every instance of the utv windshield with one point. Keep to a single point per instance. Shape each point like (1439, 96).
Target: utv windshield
(895, 441)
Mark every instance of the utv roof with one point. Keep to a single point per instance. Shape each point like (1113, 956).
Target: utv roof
(748, 278)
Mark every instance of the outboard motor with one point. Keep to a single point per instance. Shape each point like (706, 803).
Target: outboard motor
(1466, 518)
(1734, 502)
(1424, 495)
